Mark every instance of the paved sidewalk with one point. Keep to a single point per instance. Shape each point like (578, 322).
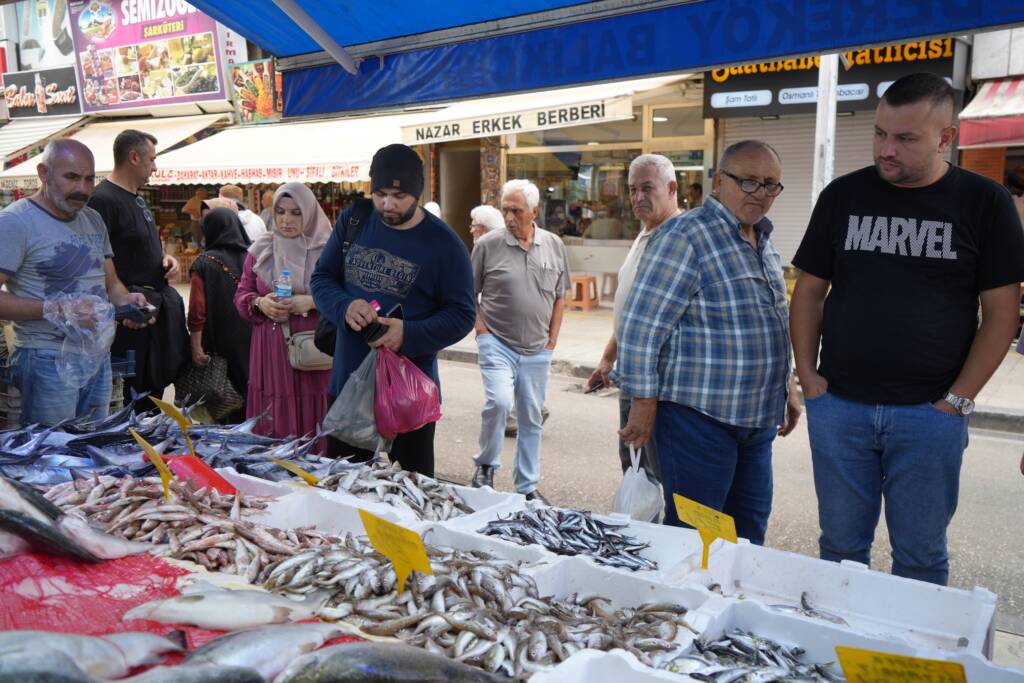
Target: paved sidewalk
(584, 335)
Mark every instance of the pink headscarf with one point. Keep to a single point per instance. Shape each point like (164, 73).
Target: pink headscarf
(274, 252)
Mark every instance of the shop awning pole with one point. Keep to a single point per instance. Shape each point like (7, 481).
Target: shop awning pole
(317, 33)
(825, 126)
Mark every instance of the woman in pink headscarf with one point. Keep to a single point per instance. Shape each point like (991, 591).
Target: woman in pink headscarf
(297, 399)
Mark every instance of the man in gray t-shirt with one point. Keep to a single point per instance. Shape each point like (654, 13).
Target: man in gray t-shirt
(521, 274)
(55, 248)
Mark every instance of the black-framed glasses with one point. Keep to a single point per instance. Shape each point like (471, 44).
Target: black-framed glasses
(145, 209)
(750, 186)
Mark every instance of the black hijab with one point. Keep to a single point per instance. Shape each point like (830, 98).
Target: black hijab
(225, 239)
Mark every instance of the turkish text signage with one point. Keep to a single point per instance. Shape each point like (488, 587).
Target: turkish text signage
(143, 53)
(519, 121)
(47, 92)
(790, 86)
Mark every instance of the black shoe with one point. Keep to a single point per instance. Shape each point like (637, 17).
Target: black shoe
(544, 414)
(484, 476)
(536, 496)
(511, 426)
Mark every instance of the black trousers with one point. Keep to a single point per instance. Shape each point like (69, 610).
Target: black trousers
(414, 451)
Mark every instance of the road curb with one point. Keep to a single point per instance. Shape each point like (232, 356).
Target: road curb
(995, 419)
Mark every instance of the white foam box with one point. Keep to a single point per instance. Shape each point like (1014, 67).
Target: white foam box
(979, 669)
(254, 486)
(592, 666)
(872, 603)
(534, 555)
(308, 507)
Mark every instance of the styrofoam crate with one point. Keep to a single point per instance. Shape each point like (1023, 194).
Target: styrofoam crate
(873, 603)
(592, 666)
(979, 669)
(438, 535)
(254, 486)
(307, 507)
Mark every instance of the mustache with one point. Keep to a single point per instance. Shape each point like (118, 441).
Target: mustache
(78, 197)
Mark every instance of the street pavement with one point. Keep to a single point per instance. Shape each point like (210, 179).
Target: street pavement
(580, 468)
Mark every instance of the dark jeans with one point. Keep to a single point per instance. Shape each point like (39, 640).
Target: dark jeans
(414, 451)
(725, 467)
(907, 456)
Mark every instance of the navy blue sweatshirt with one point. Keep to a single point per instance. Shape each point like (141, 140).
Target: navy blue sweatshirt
(425, 268)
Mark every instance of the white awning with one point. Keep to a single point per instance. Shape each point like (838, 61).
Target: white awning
(530, 111)
(99, 137)
(995, 117)
(22, 133)
(333, 151)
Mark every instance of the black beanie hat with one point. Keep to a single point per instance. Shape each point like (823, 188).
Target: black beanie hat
(397, 167)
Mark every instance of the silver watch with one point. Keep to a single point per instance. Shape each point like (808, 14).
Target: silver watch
(963, 405)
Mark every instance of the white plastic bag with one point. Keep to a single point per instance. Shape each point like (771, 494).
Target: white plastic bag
(638, 496)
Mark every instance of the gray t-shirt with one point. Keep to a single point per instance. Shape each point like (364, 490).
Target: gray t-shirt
(518, 287)
(44, 256)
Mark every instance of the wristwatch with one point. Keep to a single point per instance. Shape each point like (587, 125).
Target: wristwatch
(963, 405)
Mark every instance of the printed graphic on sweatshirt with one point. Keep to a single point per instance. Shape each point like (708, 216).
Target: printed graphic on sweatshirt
(376, 270)
(903, 236)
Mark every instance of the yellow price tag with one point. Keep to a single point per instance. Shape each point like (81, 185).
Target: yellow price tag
(176, 415)
(867, 666)
(296, 470)
(400, 545)
(708, 522)
(154, 457)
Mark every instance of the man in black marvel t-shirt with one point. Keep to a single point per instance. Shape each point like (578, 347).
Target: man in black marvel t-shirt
(909, 246)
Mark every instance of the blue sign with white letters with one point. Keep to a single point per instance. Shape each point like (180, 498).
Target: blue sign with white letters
(693, 36)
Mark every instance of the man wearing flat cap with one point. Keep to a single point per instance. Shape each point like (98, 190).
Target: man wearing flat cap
(400, 255)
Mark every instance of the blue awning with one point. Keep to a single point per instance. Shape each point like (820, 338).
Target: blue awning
(457, 49)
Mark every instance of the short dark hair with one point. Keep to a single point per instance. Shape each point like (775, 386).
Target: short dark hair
(130, 139)
(744, 146)
(697, 187)
(914, 88)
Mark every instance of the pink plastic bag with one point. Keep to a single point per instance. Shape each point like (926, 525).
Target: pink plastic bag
(406, 398)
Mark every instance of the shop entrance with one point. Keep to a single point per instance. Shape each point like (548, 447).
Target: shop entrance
(460, 185)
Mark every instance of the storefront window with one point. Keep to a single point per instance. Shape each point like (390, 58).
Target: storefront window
(689, 166)
(627, 130)
(583, 193)
(677, 122)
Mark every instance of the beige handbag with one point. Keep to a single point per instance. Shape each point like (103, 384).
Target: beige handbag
(302, 351)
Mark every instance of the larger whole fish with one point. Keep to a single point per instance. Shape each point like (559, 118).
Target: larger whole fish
(267, 650)
(110, 656)
(225, 610)
(380, 663)
(197, 673)
(39, 666)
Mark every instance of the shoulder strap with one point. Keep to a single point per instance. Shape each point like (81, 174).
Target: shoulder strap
(361, 210)
(286, 330)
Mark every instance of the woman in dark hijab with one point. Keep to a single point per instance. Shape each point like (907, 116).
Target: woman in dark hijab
(213, 322)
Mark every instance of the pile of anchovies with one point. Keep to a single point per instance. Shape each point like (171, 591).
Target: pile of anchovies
(429, 498)
(475, 608)
(201, 525)
(739, 656)
(572, 532)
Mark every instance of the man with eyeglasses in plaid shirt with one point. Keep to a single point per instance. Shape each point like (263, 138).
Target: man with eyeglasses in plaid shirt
(704, 347)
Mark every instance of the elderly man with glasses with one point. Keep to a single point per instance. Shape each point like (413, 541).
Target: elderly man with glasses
(704, 345)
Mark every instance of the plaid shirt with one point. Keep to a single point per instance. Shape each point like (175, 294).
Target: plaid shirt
(706, 324)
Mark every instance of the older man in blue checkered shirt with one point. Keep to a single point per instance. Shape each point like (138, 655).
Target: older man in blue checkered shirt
(704, 346)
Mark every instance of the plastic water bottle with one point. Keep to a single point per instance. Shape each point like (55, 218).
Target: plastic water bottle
(283, 287)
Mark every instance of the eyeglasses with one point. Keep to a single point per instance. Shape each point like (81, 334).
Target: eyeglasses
(145, 209)
(750, 186)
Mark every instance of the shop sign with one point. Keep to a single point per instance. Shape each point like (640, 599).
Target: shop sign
(43, 34)
(256, 91)
(597, 111)
(320, 173)
(144, 53)
(790, 86)
(48, 92)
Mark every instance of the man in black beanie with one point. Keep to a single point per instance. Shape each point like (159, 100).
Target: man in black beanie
(400, 255)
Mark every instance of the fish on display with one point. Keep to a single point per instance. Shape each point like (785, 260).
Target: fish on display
(212, 607)
(29, 520)
(742, 657)
(369, 662)
(39, 666)
(805, 609)
(266, 650)
(199, 525)
(572, 532)
(475, 608)
(110, 656)
(429, 498)
(197, 673)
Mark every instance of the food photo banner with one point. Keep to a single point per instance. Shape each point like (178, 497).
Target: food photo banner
(256, 90)
(143, 53)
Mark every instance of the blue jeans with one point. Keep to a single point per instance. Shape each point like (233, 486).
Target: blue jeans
(511, 378)
(910, 456)
(46, 399)
(722, 466)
